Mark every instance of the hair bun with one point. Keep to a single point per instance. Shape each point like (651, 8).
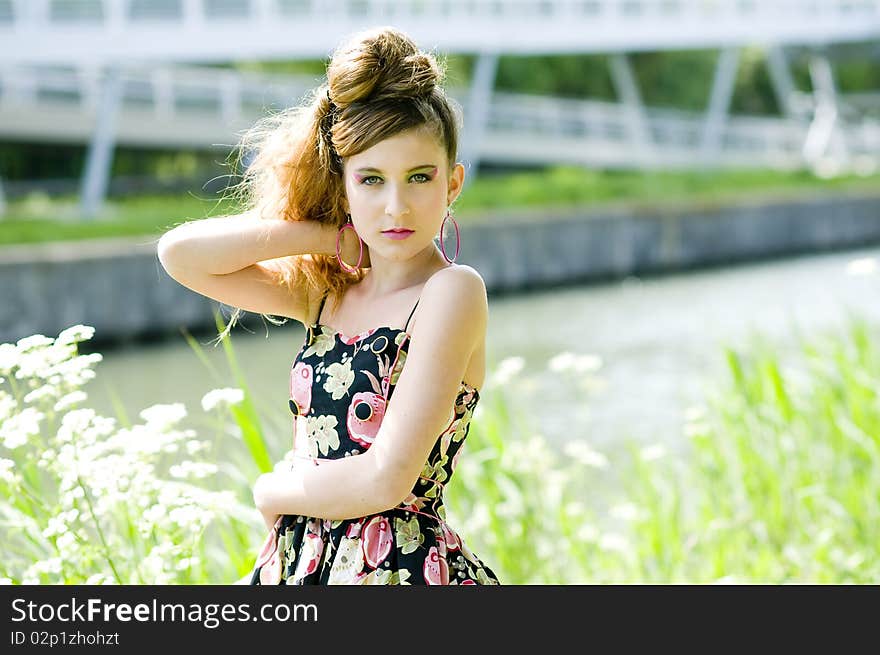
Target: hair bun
(381, 63)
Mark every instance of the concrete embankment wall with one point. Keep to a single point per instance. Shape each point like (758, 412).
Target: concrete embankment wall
(119, 287)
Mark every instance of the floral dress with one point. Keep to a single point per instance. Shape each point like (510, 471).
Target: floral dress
(339, 388)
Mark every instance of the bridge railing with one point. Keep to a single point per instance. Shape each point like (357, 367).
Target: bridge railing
(230, 99)
(114, 13)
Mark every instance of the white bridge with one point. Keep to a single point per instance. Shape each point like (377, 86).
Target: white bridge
(127, 71)
(222, 30)
(191, 107)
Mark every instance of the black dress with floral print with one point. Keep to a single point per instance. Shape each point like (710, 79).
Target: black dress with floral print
(339, 388)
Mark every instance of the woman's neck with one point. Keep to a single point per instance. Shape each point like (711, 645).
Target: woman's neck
(386, 277)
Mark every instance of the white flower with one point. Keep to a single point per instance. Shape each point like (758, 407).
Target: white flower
(56, 525)
(862, 266)
(45, 391)
(162, 417)
(694, 413)
(339, 379)
(187, 562)
(625, 512)
(584, 453)
(194, 469)
(507, 368)
(587, 363)
(727, 579)
(566, 361)
(221, 398)
(8, 358)
(561, 362)
(614, 542)
(7, 405)
(187, 516)
(34, 341)
(66, 543)
(36, 364)
(588, 533)
(7, 471)
(76, 371)
(75, 334)
(695, 430)
(650, 453)
(75, 423)
(16, 430)
(154, 513)
(70, 399)
(193, 446)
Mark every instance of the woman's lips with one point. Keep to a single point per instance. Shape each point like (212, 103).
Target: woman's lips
(397, 234)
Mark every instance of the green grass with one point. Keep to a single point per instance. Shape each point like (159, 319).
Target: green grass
(490, 198)
(38, 218)
(780, 484)
(570, 187)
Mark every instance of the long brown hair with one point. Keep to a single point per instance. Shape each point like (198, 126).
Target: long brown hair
(378, 84)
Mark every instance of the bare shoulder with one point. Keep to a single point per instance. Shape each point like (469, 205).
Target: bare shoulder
(455, 297)
(459, 278)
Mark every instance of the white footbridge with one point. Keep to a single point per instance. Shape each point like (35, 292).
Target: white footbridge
(137, 72)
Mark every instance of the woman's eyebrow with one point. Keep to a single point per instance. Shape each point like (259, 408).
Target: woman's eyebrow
(376, 170)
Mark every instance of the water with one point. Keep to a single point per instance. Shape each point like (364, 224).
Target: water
(659, 341)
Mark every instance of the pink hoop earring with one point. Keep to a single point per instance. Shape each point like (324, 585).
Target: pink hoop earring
(457, 237)
(345, 266)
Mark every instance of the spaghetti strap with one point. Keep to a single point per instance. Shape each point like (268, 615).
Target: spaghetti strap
(321, 308)
(406, 327)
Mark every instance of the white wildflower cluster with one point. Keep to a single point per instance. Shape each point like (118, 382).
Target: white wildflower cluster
(626, 511)
(531, 456)
(8, 406)
(613, 542)
(48, 568)
(863, 266)
(578, 368)
(695, 426)
(221, 399)
(577, 363)
(188, 469)
(42, 361)
(71, 399)
(507, 370)
(582, 453)
(18, 429)
(7, 472)
(653, 452)
(84, 485)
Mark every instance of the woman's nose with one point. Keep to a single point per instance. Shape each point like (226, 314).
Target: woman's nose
(396, 204)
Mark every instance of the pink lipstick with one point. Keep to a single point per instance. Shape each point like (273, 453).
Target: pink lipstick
(397, 233)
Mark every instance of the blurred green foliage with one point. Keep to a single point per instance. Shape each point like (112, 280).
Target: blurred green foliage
(492, 197)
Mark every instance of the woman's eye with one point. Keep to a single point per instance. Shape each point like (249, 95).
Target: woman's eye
(424, 178)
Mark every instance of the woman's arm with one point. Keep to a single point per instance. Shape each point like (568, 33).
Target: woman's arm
(452, 322)
(226, 244)
(228, 259)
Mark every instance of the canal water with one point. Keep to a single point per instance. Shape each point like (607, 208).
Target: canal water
(601, 363)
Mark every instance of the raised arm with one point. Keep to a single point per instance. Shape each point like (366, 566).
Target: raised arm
(229, 259)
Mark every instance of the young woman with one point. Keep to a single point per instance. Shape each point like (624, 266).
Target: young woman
(364, 171)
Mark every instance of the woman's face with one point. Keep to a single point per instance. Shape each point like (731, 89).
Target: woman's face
(401, 182)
